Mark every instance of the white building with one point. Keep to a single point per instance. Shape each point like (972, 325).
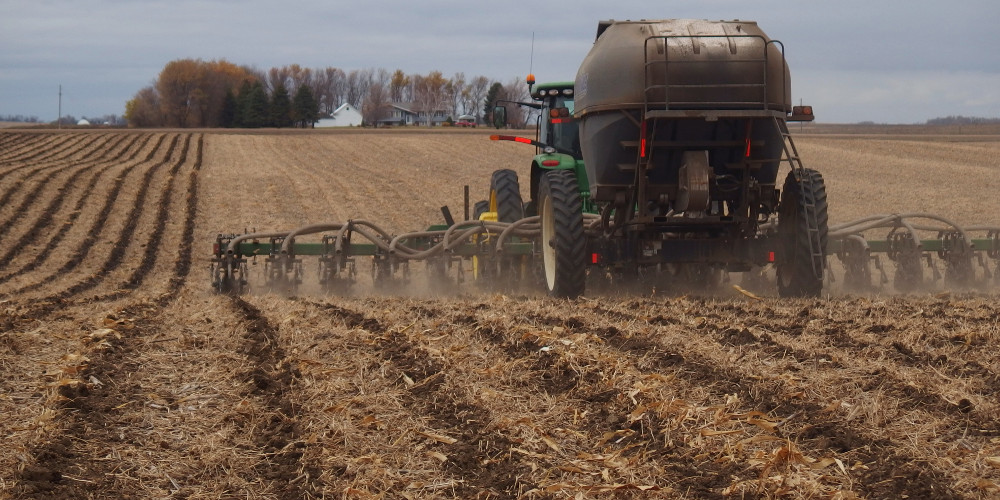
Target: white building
(345, 116)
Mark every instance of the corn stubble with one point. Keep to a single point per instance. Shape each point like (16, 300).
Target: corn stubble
(125, 376)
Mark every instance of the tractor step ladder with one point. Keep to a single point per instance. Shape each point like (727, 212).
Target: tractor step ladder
(790, 154)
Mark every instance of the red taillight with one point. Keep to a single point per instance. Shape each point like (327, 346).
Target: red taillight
(215, 248)
(595, 258)
(748, 147)
(550, 163)
(770, 256)
(642, 140)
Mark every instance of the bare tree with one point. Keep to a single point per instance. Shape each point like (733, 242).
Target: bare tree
(476, 93)
(516, 90)
(454, 90)
(429, 95)
(376, 105)
(329, 88)
(299, 76)
(277, 77)
(358, 82)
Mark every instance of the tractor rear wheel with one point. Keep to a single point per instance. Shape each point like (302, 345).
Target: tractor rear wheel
(505, 196)
(802, 235)
(564, 246)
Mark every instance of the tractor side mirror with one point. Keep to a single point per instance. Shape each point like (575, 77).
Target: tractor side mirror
(499, 116)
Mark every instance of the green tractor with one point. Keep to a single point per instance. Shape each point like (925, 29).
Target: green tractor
(660, 162)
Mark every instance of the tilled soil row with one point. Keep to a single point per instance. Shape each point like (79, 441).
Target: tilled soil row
(182, 266)
(79, 461)
(509, 461)
(57, 237)
(102, 433)
(45, 218)
(583, 380)
(479, 461)
(887, 470)
(153, 245)
(45, 147)
(86, 246)
(270, 381)
(118, 254)
(11, 142)
(19, 176)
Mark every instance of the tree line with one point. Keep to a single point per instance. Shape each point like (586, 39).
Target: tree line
(197, 93)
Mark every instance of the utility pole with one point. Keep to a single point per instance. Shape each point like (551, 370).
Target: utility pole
(59, 120)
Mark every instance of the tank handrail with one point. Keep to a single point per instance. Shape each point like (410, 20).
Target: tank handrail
(666, 62)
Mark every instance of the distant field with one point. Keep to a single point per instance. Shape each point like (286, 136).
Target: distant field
(125, 376)
(946, 132)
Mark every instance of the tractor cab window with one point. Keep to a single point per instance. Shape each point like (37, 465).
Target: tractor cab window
(561, 128)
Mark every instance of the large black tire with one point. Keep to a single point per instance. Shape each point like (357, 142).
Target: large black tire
(505, 196)
(799, 271)
(480, 208)
(564, 245)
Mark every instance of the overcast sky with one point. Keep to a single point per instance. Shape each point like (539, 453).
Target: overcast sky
(891, 61)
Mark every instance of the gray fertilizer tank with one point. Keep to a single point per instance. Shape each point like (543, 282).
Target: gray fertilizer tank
(709, 85)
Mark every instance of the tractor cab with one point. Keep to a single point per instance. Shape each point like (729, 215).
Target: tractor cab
(556, 125)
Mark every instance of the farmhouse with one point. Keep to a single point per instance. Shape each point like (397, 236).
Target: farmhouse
(409, 113)
(344, 116)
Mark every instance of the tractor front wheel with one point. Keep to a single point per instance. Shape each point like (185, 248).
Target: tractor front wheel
(564, 245)
(505, 196)
(802, 235)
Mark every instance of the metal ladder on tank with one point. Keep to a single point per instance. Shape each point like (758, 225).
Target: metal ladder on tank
(790, 154)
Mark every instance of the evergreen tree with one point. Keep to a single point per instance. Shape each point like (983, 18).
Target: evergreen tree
(281, 107)
(255, 112)
(227, 114)
(495, 92)
(242, 104)
(305, 108)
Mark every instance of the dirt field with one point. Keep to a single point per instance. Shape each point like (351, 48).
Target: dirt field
(126, 377)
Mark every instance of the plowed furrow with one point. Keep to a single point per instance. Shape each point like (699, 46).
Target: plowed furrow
(7, 140)
(722, 381)
(63, 150)
(94, 416)
(154, 245)
(435, 388)
(16, 144)
(789, 344)
(85, 246)
(481, 458)
(30, 199)
(118, 251)
(478, 462)
(182, 266)
(279, 439)
(920, 390)
(942, 350)
(45, 219)
(56, 239)
(811, 422)
(58, 146)
(26, 181)
(44, 144)
(682, 467)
